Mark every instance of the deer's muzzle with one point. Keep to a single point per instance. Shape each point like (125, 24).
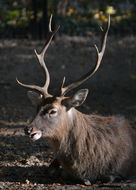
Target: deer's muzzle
(28, 130)
(33, 134)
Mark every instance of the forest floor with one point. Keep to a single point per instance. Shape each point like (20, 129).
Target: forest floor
(24, 164)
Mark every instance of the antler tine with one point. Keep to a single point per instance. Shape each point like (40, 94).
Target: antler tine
(40, 56)
(100, 54)
(33, 87)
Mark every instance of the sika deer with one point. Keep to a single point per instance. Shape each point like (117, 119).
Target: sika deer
(88, 147)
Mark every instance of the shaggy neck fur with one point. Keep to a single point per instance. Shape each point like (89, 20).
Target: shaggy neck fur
(91, 146)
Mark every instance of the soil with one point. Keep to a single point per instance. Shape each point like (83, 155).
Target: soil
(24, 164)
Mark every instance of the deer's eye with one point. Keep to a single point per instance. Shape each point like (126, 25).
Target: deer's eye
(53, 112)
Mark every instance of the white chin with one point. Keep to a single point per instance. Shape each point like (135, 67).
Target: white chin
(36, 135)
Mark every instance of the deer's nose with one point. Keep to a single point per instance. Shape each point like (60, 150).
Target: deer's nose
(28, 130)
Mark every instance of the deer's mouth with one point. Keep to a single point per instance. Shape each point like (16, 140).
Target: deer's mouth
(36, 135)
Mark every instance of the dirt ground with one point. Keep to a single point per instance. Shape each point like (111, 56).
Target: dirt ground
(24, 164)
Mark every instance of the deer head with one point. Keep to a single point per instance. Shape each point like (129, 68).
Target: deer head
(56, 112)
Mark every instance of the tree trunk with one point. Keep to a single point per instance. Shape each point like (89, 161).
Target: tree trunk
(34, 26)
(44, 18)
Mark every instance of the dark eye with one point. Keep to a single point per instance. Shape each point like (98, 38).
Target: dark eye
(53, 112)
(43, 112)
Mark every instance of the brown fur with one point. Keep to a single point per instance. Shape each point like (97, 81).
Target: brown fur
(97, 146)
(90, 147)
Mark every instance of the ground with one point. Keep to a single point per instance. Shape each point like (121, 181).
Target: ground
(24, 164)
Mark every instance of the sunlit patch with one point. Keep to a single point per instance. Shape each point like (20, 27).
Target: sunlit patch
(70, 113)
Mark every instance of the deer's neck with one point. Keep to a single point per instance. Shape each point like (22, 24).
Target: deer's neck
(76, 132)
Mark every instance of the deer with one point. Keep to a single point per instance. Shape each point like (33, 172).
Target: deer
(88, 147)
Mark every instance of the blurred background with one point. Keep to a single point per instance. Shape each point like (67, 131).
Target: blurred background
(112, 90)
(29, 18)
(24, 27)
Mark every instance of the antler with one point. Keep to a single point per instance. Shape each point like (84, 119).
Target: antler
(40, 56)
(64, 90)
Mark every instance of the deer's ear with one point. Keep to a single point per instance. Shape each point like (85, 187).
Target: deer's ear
(35, 98)
(77, 99)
